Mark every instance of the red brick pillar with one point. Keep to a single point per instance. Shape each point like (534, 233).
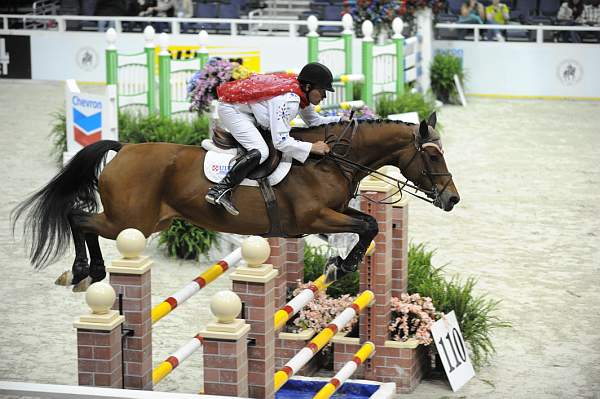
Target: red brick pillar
(400, 247)
(376, 271)
(278, 259)
(225, 354)
(255, 285)
(131, 277)
(99, 356)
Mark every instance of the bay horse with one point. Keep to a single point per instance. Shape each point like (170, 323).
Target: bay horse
(145, 186)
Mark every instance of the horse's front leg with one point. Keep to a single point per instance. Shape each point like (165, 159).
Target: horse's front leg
(351, 221)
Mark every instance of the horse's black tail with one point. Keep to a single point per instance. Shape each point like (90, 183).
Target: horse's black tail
(46, 225)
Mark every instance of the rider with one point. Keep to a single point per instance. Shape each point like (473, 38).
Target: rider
(271, 101)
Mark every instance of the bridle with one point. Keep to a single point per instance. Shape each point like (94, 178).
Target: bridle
(348, 167)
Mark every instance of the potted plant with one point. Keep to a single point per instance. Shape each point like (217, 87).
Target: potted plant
(443, 69)
(186, 241)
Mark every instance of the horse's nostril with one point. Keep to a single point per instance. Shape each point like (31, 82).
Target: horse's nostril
(454, 199)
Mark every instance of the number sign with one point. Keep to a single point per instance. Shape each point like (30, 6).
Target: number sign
(452, 350)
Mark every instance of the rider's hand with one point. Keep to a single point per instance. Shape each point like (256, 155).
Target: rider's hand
(344, 118)
(320, 148)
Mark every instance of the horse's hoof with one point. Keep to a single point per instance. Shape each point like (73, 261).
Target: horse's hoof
(64, 279)
(83, 285)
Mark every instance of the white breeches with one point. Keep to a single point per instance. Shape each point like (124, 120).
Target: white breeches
(242, 127)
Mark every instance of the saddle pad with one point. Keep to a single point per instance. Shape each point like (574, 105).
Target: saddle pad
(216, 165)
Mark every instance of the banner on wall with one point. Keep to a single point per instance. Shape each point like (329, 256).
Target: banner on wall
(15, 57)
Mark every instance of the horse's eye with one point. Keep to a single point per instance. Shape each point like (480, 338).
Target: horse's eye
(435, 158)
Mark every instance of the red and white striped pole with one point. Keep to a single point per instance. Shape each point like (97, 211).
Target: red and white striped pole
(365, 352)
(167, 306)
(165, 368)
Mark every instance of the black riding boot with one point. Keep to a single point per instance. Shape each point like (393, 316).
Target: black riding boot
(220, 194)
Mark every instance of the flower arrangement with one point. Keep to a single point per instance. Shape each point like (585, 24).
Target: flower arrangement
(412, 317)
(202, 87)
(382, 12)
(321, 311)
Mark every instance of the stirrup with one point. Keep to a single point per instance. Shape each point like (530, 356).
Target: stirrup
(213, 194)
(225, 201)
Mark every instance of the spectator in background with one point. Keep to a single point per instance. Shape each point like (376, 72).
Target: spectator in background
(471, 12)
(569, 13)
(163, 8)
(591, 13)
(497, 14)
(591, 16)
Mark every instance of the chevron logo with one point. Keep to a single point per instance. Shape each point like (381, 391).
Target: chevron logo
(87, 129)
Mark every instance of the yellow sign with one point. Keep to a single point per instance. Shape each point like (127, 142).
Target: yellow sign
(250, 58)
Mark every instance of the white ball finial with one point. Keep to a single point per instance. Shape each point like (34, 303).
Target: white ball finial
(131, 243)
(312, 23)
(367, 29)
(397, 26)
(149, 34)
(225, 306)
(347, 22)
(255, 250)
(111, 37)
(100, 297)
(203, 38)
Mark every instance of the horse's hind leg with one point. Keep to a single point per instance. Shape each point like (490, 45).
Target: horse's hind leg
(97, 272)
(80, 269)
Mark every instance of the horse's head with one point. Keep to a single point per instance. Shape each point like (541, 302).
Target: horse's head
(426, 167)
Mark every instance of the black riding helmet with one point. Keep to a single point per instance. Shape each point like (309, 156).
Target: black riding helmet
(318, 75)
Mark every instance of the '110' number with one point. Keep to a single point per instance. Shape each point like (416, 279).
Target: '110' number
(457, 346)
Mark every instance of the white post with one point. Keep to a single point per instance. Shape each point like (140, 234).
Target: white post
(61, 24)
(425, 29)
(175, 27)
(539, 35)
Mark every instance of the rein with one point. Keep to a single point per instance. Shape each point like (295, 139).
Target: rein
(347, 166)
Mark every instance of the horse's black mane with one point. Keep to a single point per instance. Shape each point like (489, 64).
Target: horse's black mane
(360, 122)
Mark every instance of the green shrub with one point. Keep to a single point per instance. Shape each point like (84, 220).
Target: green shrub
(186, 241)
(58, 135)
(443, 69)
(315, 260)
(423, 105)
(475, 313)
(135, 128)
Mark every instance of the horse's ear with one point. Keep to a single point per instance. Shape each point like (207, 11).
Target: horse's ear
(432, 120)
(424, 130)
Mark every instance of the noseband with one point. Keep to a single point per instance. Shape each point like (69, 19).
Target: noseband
(347, 166)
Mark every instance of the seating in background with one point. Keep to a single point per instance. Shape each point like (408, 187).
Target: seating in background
(232, 11)
(206, 10)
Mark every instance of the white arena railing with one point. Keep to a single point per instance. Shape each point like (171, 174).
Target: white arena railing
(235, 25)
(50, 391)
(538, 29)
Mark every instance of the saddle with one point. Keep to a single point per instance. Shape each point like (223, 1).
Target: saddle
(224, 140)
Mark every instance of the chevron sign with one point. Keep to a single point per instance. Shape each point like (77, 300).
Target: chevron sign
(91, 117)
(87, 120)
